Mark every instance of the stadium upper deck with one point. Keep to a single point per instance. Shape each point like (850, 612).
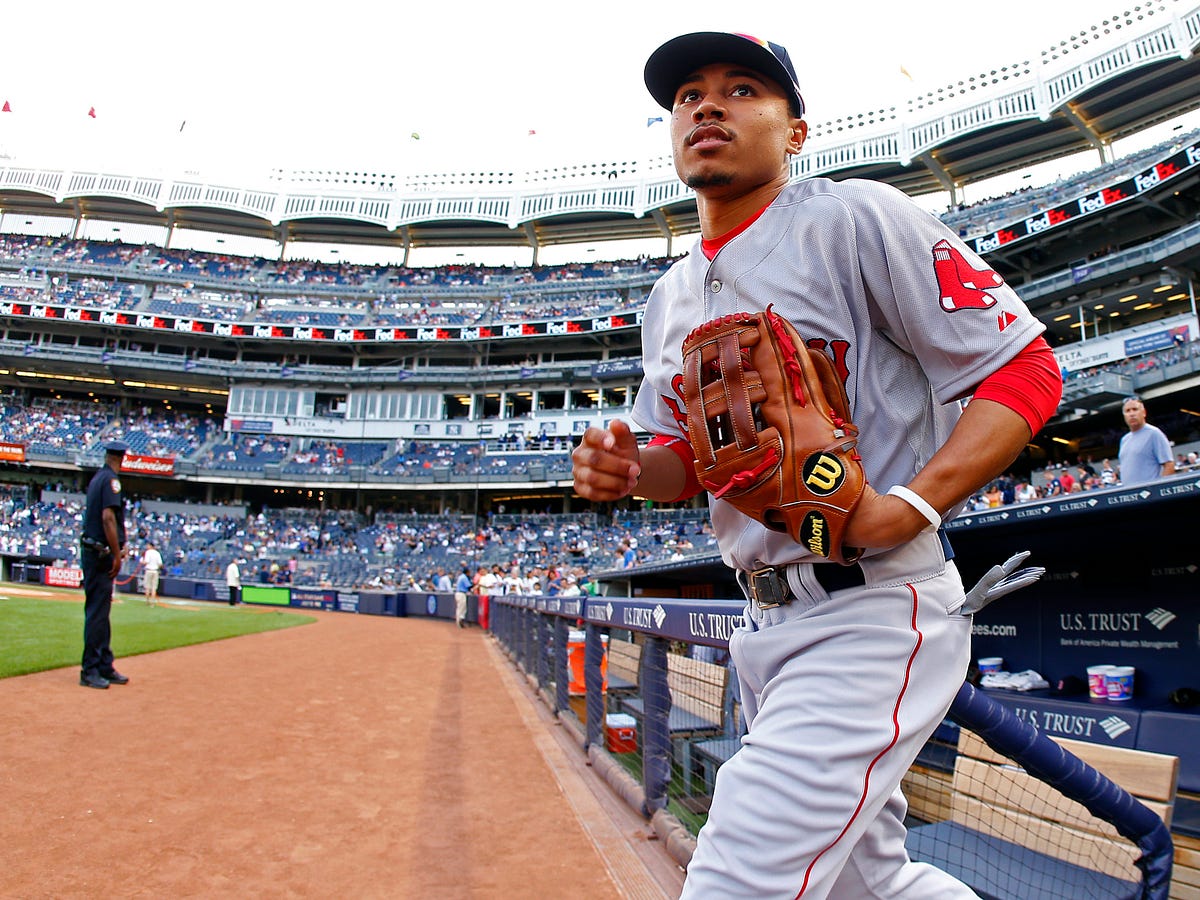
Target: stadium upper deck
(375, 353)
(1111, 79)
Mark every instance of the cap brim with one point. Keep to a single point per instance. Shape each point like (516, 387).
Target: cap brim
(680, 57)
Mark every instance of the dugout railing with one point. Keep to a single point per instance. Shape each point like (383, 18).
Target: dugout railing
(561, 644)
(681, 699)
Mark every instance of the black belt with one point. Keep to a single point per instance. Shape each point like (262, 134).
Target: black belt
(833, 577)
(768, 586)
(99, 548)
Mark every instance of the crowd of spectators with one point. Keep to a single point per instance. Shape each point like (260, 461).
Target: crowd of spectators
(50, 426)
(145, 278)
(342, 548)
(153, 280)
(158, 433)
(1143, 364)
(985, 216)
(1085, 474)
(559, 553)
(56, 427)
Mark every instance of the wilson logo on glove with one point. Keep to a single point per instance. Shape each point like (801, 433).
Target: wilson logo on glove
(814, 533)
(770, 425)
(823, 474)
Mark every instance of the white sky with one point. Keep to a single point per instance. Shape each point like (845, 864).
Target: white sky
(345, 84)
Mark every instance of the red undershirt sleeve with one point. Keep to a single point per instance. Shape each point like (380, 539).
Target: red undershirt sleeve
(1030, 384)
(683, 450)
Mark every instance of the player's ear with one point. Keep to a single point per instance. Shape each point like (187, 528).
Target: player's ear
(799, 132)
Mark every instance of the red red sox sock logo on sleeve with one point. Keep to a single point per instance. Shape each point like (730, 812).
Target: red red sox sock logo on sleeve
(960, 285)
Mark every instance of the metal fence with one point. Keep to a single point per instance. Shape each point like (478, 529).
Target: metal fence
(646, 683)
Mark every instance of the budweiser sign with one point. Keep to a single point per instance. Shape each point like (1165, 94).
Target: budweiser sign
(148, 465)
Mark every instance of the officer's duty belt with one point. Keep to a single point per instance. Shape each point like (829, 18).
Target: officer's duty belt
(100, 548)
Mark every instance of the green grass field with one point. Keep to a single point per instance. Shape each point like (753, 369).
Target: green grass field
(38, 634)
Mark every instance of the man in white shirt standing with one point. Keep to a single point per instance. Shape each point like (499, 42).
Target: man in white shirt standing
(233, 581)
(152, 562)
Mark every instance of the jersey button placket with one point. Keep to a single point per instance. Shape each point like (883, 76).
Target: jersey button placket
(714, 287)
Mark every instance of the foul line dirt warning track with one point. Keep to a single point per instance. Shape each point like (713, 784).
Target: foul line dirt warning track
(358, 756)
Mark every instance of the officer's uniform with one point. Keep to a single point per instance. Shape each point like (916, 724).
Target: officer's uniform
(104, 492)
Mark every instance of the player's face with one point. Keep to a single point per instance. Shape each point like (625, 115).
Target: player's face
(732, 130)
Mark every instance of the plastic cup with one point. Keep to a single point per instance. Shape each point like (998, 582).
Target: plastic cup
(1097, 681)
(1119, 682)
(991, 664)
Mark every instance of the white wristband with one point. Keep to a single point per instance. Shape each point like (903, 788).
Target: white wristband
(919, 503)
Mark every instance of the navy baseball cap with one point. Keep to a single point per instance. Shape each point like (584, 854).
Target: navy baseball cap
(116, 447)
(680, 57)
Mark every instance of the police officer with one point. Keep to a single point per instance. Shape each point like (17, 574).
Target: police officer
(102, 550)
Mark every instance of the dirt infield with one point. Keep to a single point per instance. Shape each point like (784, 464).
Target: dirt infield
(358, 756)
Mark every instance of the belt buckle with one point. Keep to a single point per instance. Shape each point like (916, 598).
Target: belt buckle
(768, 587)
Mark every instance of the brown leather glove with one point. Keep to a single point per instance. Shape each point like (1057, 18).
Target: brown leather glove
(769, 422)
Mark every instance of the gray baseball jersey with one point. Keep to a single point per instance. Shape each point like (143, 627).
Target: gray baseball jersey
(837, 710)
(911, 318)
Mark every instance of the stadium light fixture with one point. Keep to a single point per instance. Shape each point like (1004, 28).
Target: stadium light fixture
(82, 378)
(1127, 298)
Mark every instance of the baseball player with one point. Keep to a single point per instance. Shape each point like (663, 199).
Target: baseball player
(844, 670)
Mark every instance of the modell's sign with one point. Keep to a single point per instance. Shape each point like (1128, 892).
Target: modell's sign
(62, 576)
(10, 452)
(148, 465)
